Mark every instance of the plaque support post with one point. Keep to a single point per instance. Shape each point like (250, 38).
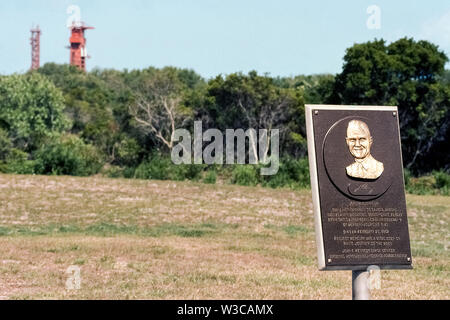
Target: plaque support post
(360, 285)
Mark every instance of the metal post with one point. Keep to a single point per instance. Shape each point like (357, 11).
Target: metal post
(360, 285)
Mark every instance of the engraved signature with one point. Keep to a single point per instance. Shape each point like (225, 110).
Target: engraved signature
(364, 187)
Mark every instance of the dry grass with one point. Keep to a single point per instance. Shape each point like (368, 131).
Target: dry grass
(136, 239)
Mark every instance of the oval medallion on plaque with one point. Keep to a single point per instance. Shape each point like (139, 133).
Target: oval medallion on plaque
(355, 160)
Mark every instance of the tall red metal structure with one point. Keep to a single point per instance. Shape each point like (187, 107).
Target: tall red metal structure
(78, 52)
(35, 48)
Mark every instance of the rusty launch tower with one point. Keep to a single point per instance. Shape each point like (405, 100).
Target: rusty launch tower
(78, 51)
(35, 48)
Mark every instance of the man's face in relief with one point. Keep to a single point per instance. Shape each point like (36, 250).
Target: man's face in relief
(358, 139)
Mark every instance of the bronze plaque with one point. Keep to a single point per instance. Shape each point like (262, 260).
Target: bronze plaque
(358, 187)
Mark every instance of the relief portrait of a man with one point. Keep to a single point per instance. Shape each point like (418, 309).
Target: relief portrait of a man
(359, 142)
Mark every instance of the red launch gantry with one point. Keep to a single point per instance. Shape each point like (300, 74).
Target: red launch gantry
(78, 52)
(35, 48)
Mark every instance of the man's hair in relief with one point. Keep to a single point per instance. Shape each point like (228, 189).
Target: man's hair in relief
(358, 124)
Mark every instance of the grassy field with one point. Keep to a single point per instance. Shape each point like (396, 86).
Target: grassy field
(136, 239)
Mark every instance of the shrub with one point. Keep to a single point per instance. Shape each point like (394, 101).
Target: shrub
(293, 173)
(210, 177)
(67, 155)
(438, 182)
(127, 152)
(186, 171)
(245, 175)
(112, 171)
(161, 167)
(129, 172)
(17, 162)
(301, 172)
(155, 167)
(407, 176)
(279, 180)
(421, 185)
(5, 144)
(442, 179)
(442, 182)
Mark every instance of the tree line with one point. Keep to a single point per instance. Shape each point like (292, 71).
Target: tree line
(60, 120)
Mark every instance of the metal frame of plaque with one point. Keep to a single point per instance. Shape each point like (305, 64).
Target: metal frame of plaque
(357, 187)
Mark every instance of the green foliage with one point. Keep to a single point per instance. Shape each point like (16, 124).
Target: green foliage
(442, 180)
(293, 173)
(158, 108)
(156, 167)
(112, 171)
(67, 155)
(446, 77)
(255, 101)
(438, 182)
(17, 162)
(127, 152)
(210, 177)
(188, 171)
(406, 74)
(245, 175)
(5, 144)
(422, 185)
(317, 88)
(31, 108)
(61, 120)
(162, 168)
(89, 103)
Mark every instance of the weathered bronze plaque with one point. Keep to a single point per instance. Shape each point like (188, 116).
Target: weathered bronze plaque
(358, 188)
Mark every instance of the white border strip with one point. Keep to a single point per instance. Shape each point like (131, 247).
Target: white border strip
(314, 185)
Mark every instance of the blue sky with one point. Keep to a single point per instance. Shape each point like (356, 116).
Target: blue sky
(282, 38)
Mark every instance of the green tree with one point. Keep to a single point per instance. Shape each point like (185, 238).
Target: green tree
(404, 73)
(67, 154)
(158, 109)
(258, 102)
(31, 108)
(91, 100)
(446, 77)
(5, 145)
(317, 88)
(320, 89)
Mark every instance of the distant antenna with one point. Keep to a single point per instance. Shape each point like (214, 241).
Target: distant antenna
(78, 52)
(35, 48)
